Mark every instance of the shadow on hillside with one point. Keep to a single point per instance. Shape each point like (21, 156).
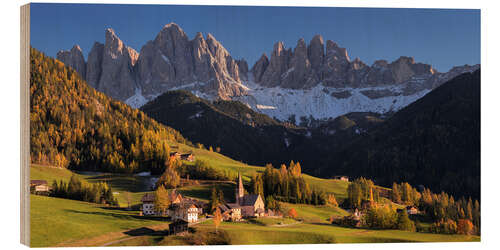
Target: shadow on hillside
(120, 216)
(145, 231)
(135, 207)
(123, 182)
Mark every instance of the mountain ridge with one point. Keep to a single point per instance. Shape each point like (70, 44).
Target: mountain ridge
(314, 72)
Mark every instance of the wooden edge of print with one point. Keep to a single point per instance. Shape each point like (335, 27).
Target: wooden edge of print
(25, 126)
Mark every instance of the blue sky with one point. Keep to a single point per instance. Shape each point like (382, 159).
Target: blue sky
(443, 38)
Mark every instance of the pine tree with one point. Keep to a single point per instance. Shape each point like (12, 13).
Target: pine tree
(395, 194)
(404, 222)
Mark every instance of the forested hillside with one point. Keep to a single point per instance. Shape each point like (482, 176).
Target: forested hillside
(75, 126)
(237, 130)
(434, 142)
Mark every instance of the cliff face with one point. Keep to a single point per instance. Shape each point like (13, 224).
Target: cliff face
(317, 79)
(169, 61)
(309, 65)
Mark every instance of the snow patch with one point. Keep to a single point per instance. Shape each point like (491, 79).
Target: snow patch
(264, 106)
(197, 115)
(165, 58)
(137, 100)
(143, 174)
(316, 102)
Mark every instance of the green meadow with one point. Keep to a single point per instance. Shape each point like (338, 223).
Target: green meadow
(55, 221)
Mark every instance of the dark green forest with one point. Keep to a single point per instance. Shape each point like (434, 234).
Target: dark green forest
(74, 126)
(237, 130)
(434, 142)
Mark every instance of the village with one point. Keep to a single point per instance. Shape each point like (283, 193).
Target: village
(352, 203)
(185, 211)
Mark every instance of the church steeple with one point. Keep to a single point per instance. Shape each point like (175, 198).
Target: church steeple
(240, 190)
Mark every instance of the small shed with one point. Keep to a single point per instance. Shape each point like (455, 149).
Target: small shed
(187, 157)
(39, 186)
(177, 227)
(341, 178)
(176, 155)
(411, 210)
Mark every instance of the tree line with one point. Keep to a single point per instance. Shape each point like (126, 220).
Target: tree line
(286, 184)
(77, 189)
(448, 215)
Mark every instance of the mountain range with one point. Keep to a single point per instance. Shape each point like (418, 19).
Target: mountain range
(312, 80)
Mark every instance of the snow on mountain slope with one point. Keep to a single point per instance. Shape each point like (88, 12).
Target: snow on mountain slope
(319, 102)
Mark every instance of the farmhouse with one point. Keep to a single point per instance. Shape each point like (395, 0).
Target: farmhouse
(148, 204)
(230, 212)
(252, 205)
(341, 178)
(39, 186)
(411, 210)
(177, 227)
(187, 210)
(175, 197)
(187, 157)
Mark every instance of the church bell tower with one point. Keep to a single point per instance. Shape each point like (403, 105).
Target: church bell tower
(240, 190)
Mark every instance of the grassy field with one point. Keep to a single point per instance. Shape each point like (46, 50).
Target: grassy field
(316, 214)
(55, 221)
(323, 233)
(61, 222)
(224, 163)
(266, 221)
(203, 192)
(303, 233)
(121, 184)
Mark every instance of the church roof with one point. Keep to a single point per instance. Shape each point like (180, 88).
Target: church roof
(233, 205)
(250, 199)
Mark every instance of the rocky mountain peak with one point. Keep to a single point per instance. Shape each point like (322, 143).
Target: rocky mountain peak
(334, 52)
(243, 69)
(117, 77)
(113, 42)
(259, 67)
(316, 52)
(73, 58)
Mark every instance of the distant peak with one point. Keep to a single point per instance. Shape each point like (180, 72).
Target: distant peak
(172, 26)
(198, 35)
(317, 38)
(110, 31)
(210, 36)
(77, 48)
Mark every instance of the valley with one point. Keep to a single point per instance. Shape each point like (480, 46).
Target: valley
(180, 144)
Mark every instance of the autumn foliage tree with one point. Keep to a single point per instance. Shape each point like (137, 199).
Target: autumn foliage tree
(74, 126)
(162, 200)
(217, 218)
(465, 226)
(170, 178)
(292, 213)
(331, 201)
(286, 185)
